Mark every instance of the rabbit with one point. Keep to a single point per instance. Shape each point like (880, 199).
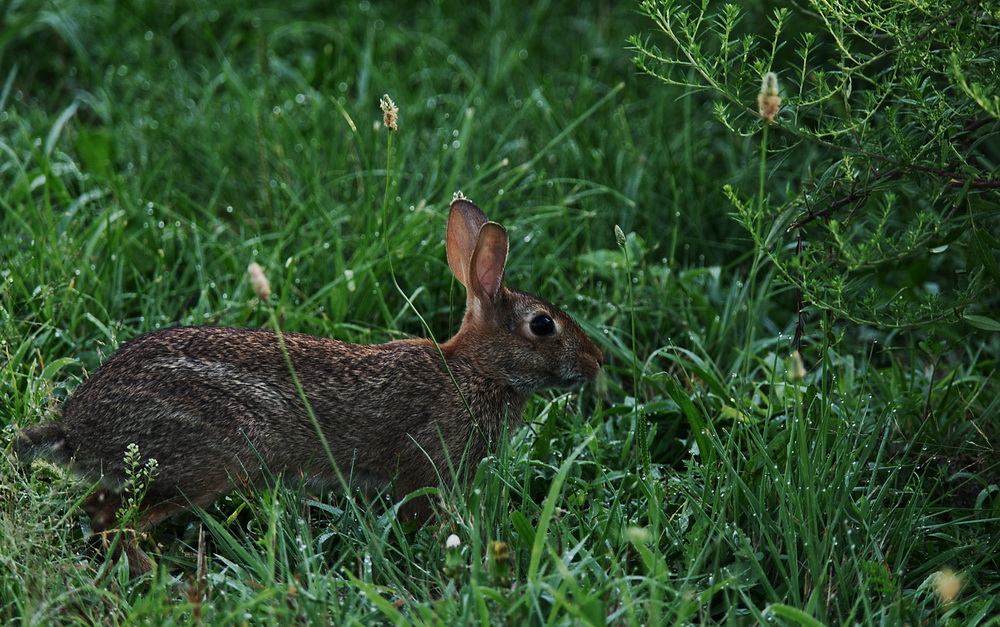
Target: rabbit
(216, 406)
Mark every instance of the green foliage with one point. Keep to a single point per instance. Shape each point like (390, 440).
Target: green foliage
(878, 193)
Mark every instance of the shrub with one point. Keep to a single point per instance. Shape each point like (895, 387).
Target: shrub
(876, 191)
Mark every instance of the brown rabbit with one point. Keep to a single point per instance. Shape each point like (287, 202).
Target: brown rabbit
(218, 405)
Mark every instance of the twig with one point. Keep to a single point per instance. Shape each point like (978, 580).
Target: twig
(840, 203)
(800, 322)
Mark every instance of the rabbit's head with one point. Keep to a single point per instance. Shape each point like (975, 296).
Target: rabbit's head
(511, 335)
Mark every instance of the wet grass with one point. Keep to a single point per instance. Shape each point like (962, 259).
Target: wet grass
(150, 151)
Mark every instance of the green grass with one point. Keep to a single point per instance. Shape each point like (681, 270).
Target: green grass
(150, 151)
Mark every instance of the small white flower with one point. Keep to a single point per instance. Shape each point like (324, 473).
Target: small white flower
(453, 542)
(796, 368)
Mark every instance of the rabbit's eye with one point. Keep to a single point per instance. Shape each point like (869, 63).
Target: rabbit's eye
(542, 325)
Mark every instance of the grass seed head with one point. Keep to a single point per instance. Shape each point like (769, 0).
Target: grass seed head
(768, 100)
(261, 286)
(390, 113)
(947, 585)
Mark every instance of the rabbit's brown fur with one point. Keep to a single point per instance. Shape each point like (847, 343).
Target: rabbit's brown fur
(214, 405)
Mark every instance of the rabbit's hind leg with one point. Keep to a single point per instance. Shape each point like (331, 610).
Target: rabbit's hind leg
(102, 507)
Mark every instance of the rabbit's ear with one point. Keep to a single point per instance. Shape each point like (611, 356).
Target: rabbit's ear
(488, 262)
(464, 223)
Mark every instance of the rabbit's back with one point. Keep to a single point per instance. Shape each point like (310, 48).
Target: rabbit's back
(200, 398)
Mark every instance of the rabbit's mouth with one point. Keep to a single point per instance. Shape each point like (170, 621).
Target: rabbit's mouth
(569, 380)
(530, 384)
(578, 380)
(588, 371)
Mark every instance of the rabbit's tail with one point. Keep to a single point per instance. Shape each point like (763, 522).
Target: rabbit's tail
(46, 440)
